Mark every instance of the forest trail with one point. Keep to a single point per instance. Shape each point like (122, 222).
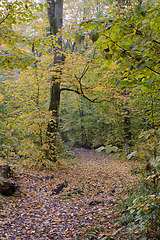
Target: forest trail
(83, 210)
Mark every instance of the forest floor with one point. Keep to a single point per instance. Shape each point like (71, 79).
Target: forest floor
(85, 209)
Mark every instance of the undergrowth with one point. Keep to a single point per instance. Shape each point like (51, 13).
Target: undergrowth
(140, 212)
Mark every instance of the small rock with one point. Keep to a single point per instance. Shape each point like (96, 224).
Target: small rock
(100, 149)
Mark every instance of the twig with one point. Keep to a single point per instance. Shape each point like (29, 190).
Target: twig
(5, 18)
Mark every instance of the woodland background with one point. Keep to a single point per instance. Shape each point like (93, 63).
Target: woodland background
(108, 78)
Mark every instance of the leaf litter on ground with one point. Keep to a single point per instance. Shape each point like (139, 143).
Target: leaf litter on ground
(82, 210)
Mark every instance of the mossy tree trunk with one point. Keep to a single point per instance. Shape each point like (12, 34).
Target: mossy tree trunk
(55, 15)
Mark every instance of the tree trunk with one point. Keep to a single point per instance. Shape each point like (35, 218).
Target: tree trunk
(55, 15)
(127, 129)
(126, 113)
(5, 171)
(6, 188)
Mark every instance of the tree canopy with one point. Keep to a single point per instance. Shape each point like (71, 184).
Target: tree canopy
(92, 83)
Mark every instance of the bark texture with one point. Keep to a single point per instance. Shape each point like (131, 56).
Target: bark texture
(5, 171)
(55, 14)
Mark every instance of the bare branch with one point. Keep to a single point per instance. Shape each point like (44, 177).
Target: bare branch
(5, 18)
(79, 90)
(83, 95)
(86, 68)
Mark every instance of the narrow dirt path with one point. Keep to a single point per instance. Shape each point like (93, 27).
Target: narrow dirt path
(96, 184)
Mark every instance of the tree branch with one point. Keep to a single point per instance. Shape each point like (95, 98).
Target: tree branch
(132, 56)
(79, 93)
(5, 18)
(83, 73)
(83, 95)
(80, 90)
(155, 41)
